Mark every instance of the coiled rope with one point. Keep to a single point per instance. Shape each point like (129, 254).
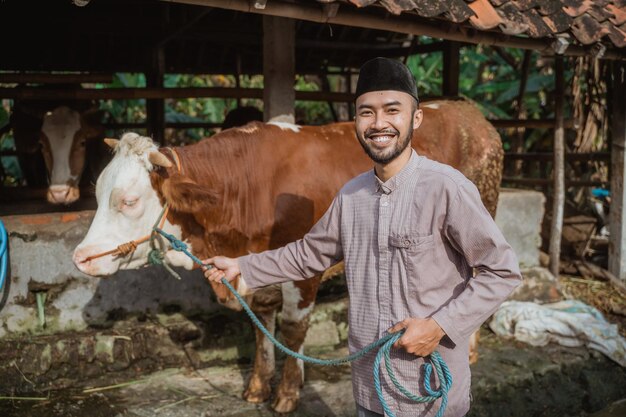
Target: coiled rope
(385, 343)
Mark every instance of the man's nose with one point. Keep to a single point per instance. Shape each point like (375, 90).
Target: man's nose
(379, 122)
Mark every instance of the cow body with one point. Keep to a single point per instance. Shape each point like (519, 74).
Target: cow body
(259, 187)
(55, 140)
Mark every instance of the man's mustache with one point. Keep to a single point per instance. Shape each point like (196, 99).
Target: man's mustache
(389, 131)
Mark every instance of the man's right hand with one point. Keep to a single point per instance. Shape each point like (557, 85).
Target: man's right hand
(223, 267)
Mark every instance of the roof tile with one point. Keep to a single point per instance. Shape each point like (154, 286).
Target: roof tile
(576, 8)
(617, 36)
(548, 7)
(513, 22)
(429, 8)
(537, 28)
(587, 30)
(458, 11)
(619, 14)
(485, 17)
(558, 22)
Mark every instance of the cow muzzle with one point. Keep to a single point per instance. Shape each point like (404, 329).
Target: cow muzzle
(100, 267)
(62, 194)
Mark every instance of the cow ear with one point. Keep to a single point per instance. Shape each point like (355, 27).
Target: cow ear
(157, 158)
(112, 142)
(185, 195)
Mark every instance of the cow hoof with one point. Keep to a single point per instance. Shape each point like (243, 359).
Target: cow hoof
(285, 404)
(257, 396)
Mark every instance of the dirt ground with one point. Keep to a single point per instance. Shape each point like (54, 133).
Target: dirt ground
(510, 379)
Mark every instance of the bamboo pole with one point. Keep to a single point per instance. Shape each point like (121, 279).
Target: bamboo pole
(558, 172)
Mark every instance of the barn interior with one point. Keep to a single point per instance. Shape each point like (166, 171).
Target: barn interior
(71, 50)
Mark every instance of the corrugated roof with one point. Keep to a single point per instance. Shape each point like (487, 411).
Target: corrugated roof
(585, 21)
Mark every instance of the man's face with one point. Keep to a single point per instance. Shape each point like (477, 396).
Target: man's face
(384, 123)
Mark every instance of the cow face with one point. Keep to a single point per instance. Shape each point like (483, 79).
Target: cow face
(64, 135)
(128, 207)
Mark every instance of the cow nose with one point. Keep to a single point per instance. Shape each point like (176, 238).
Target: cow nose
(57, 194)
(80, 260)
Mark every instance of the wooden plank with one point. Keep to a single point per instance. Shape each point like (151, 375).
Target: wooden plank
(529, 123)
(47, 78)
(558, 172)
(451, 67)
(155, 108)
(546, 181)
(617, 227)
(279, 67)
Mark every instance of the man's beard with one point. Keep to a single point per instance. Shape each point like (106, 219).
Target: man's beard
(385, 156)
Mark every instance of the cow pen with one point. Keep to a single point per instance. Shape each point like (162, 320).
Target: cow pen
(144, 343)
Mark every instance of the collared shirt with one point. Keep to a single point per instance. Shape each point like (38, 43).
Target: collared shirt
(410, 245)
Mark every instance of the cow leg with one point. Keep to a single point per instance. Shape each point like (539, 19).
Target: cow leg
(298, 302)
(265, 303)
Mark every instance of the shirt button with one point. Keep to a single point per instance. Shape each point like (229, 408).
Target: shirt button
(407, 242)
(384, 204)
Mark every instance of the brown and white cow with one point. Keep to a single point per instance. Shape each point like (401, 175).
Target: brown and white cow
(52, 141)
(259, 187)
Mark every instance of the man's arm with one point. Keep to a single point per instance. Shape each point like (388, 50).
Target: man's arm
(472, 231)
(304, 258)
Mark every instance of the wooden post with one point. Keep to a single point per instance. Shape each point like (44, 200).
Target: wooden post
(617, 242)
(451, 68)
(155, 108)
(558, 171)
(279, 66)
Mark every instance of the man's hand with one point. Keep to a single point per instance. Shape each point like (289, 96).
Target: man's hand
(421, 336)
(223, 267)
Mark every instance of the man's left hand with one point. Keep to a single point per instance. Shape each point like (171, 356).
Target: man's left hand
(421, 336)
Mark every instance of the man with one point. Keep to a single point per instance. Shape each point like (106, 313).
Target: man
(410, 231)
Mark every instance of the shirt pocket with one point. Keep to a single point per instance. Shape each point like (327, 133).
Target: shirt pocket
(414, 255)
(412, 244)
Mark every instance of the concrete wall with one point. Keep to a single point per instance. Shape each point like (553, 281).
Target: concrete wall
(519, 216)
(41, 247)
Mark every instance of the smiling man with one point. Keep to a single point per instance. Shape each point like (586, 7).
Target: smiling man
(411, 231)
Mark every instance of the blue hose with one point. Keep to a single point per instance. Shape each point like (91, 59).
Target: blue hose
(4, 254)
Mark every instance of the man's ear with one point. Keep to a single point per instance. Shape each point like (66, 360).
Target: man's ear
(418, 116)
(187, 196)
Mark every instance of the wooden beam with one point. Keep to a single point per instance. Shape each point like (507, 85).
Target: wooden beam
(546, 181)
(405, 23)
(451, 68)
(546, 156)
(47, 78)
(155, 108)
(529, 123)
(558, 171)
(279, 67)
(617, 227)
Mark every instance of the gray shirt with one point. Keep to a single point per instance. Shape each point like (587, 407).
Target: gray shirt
(410, 245)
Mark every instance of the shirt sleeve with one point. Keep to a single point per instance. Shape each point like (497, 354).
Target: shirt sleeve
(472, 231)
(313, 254)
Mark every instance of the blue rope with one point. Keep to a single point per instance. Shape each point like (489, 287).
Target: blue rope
(4, 254)
(385, 343)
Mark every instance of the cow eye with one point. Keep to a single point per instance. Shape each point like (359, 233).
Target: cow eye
(130, 203)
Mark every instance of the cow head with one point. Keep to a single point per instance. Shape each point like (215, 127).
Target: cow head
(64, 135)
(129, 206)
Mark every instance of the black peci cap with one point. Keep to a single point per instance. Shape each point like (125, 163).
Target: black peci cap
(380, 74)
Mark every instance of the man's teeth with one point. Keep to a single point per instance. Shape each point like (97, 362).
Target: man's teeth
(381, 138)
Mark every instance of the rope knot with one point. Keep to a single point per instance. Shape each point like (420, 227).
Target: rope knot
(155, 257)
(127, 248)
(178, 245)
